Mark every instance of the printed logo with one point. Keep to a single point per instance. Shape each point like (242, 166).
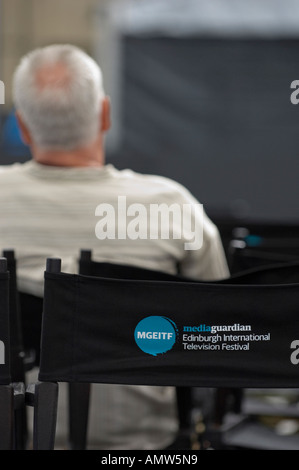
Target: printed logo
(155, 335)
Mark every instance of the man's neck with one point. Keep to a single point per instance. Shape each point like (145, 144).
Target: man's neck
(91, 156)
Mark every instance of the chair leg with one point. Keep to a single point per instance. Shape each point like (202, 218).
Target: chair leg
(6, 417)
(43, 396)
(20, 417)
(79, 397)
(21, 430)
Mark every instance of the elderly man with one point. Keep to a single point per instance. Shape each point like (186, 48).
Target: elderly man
(50, 206)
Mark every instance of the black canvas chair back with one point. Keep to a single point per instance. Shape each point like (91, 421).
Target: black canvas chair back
(6, 389)
(16, 341)
(5, 370)
(281, 274)
(276, 273)
(157, 333)
(17, 353)
(90, 267)
(242, 258)
(79, 393)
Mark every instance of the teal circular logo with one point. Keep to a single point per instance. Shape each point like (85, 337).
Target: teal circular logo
(155, 335)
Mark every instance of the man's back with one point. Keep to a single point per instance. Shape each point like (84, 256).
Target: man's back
(52, 211)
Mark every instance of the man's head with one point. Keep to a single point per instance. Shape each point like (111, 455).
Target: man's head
(60, 100)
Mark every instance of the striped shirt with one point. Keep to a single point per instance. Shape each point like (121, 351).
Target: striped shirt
(50, 212)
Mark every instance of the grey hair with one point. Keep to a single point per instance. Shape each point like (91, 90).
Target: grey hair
(64, 115)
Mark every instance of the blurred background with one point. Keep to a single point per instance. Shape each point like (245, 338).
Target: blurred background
(200, 93)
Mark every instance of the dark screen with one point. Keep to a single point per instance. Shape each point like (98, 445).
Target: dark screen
(216, 116)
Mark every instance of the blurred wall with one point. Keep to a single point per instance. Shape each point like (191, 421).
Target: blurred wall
(26, 24)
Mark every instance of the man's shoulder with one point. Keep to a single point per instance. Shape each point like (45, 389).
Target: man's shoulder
(158, 182)
(7, 171)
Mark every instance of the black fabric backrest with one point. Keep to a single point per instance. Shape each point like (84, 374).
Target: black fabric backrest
(282, 273)
(111, 270)
(225, 334)
(16, 340)
(5, 377)
(276, 273)
(119, 271)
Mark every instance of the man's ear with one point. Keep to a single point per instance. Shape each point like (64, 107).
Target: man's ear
(105, 115)
(25, 134)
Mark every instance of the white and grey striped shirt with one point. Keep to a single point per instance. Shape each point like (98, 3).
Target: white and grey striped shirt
(50, 212)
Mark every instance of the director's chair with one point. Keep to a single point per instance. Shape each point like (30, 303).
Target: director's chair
(12, 390)
(89, 325)
(79, 393)
(251, 249)
(18, 358)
